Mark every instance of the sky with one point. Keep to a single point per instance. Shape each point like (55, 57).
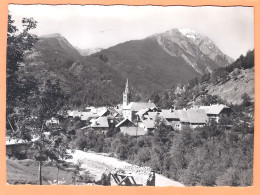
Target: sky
(91, 26)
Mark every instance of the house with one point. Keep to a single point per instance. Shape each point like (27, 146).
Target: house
(73, 113)
(131, 109)
(173, 118)
(216, 111)
(70, 114)
(53, 122)
(147, 125)
(186, 118)
(103, 112)
(100, 123)
(147, 113)
(169, 115)
(128, 127)
(135, 131)
(85, 116)
(197, 118)
(109, 112)
(125, 123)
(90, 109)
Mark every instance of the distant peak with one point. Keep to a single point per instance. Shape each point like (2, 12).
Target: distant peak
(192, 34)
(185, 31)
(52, 35)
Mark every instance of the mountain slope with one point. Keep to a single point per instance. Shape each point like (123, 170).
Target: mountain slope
(241, 81)
(158, 62)
(198, 51)
(224, 85)
(58, 43)
(163, 60)
(89, 82)
(147, 65)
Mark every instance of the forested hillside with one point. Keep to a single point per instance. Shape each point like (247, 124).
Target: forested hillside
(224, 85)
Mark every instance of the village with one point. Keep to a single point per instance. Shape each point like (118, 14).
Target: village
(94, 102)
(133, 119)
(138, 118)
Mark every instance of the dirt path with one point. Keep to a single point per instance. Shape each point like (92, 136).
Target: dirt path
(98, 164)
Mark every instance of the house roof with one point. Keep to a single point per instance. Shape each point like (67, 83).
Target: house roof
(123, 122)
(100, 122)
(169, 114)
(102, 112)
(181, 115)
(142, 111)
(87, 115)
(137, 106)
(197, 116)
(153, 115)
(214, 109)
(119, 111)
(74, 113)
(186, 115)
(70, 113)
(113, 111)
(133, 131)
(149, 124)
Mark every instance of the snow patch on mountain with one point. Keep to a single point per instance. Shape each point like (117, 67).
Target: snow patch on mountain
(89, 51)
(189, 33)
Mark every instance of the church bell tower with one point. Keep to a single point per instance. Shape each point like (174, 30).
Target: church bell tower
(126, 95)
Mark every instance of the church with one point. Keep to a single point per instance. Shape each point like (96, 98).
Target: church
(130, 109)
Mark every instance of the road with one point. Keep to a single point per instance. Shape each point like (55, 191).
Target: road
(97, 164)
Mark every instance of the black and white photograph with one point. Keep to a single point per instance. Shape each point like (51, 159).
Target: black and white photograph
(124, 95)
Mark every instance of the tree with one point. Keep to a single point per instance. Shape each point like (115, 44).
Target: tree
(76, 172)
(17, 44)
(155, 98)
(211, 99)
(50, 143)
(19, 87)
(246, 100)
(248, 61)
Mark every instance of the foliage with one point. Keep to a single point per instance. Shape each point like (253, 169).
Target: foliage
(18, 43)
(246, 100)
(29, 103)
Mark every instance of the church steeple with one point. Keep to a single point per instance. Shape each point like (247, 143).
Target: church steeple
(126, 87)
(126, 95)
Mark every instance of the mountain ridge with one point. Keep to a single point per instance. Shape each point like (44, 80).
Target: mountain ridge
(146, 63)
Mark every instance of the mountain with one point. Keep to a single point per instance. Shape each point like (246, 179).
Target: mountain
(57, 44)
(158, 62)
(89, 51)
(207, 47)
(163, 60)
(198, 51)
(89, 81)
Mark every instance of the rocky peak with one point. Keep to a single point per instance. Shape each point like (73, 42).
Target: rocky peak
(191, 46)
(207, 47)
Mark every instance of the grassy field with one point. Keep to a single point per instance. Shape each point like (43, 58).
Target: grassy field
(26, 172)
